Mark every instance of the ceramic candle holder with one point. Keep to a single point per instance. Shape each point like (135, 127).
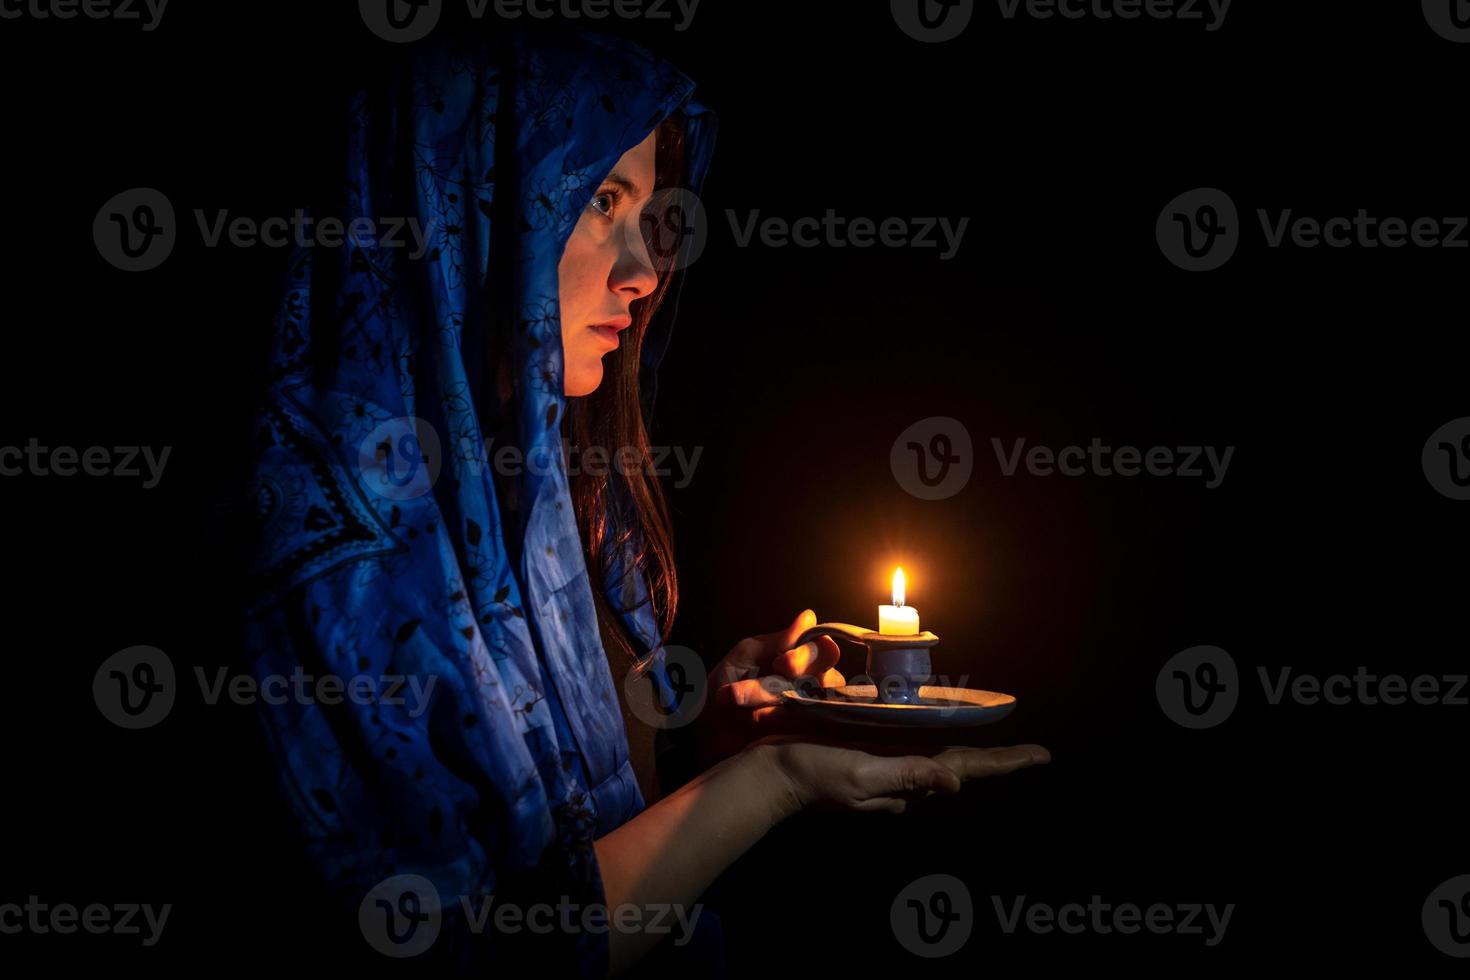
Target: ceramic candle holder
(898, 664)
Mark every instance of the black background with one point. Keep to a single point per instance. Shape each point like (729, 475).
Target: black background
(794, 369)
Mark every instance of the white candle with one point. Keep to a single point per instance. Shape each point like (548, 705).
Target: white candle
(898, 619)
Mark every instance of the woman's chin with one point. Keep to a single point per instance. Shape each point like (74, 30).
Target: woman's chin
(584, 381)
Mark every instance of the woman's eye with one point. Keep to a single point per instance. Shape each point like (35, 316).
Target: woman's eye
(611, 197)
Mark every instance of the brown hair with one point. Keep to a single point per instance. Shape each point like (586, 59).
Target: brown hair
(628, 503)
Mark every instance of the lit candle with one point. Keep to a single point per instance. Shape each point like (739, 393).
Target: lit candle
(898, 619)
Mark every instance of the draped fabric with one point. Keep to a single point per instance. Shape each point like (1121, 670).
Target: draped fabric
(387, 546)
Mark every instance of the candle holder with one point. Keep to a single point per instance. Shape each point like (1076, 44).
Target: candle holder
(901, 692)
(898, 663)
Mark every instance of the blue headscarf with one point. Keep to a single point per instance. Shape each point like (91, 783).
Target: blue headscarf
(381, 554)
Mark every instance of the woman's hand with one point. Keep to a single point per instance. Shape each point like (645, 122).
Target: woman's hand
(745, 687)
(824, 774)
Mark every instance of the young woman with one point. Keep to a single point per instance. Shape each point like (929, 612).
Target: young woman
(417, 521)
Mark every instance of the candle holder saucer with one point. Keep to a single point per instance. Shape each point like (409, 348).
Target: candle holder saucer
(898, 692)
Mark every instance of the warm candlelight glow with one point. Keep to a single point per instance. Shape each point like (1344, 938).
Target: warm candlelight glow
(898, 619)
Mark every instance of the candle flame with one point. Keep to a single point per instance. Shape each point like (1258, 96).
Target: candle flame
(898, 582)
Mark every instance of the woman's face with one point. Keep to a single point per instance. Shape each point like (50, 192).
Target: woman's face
(604, 268)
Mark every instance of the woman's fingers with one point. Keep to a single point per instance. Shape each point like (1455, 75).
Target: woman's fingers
(754, 654)
(907, 776)
(969, 763)
(753, 693)
(761, 691)
(814, 657)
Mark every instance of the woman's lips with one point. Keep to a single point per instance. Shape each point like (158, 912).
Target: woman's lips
(609, 331)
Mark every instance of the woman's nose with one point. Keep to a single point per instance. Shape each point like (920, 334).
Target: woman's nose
(634, 271)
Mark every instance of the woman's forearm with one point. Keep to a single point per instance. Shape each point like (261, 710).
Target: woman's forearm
(673, 850)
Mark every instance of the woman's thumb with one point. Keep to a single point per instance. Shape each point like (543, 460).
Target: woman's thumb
(782, 640)
(804, 621)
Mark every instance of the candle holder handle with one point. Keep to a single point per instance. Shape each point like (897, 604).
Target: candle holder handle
(898, 663)
(867, 637)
